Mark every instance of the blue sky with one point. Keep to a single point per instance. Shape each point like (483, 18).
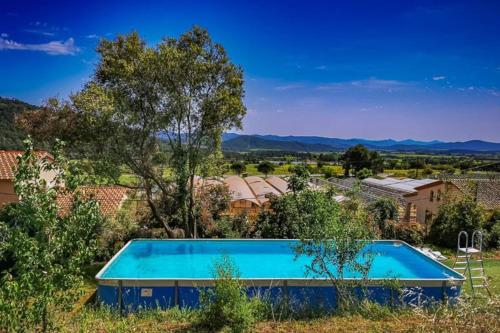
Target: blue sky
(373, 69)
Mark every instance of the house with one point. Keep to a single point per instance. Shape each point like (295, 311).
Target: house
(249, 195)
(8, 165)
(419, 199)
(109, 197)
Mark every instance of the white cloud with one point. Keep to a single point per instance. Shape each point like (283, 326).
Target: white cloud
(4, 35)
(369, 84)
(280, 110)
(56, 47)
(92, 36)
(40, 32)
(439, 78)
(288, 87)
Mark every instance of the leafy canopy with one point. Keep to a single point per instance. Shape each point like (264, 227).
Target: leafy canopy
(151, 106)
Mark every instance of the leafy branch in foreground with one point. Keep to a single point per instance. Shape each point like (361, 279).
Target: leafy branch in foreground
(335, 237)
(42, 251)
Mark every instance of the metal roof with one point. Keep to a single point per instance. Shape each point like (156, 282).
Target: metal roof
(405, 185)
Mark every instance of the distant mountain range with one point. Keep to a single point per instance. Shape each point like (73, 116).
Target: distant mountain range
(11, 138)
(236, 142)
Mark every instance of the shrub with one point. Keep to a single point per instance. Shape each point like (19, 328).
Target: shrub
(363, 173)
(492, 229)
(383, 210)
(227, 305)
(118, 230)
(328, 172)
(453, 217)
(412, 233)
(229, 227)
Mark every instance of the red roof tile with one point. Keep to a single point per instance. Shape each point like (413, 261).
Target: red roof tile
(8, 162)
(110, 198)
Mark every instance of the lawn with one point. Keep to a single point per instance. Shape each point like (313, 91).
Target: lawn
(492, 270)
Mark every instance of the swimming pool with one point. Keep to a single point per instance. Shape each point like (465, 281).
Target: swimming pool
(164, 273)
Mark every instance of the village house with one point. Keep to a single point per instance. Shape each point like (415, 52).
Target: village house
(110, 198)
(8, 164)
(249, 195)
(420, 199)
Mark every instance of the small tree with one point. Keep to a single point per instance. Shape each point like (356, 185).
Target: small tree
(238, 167)
(42, 252)
(265, 167)
(335, 238)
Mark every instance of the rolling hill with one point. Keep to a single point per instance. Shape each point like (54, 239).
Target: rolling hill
(10, 136)
(235, 142)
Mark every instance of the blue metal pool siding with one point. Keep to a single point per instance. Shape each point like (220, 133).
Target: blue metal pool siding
(298, 296)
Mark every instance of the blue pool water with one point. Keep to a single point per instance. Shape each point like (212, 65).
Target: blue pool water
(165, 273)
(258, 259)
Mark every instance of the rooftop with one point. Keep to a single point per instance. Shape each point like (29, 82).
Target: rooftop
(404, 185)
(110, 198)
(252, 188)
(8, 162)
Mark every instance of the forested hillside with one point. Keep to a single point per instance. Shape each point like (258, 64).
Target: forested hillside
(10, 136)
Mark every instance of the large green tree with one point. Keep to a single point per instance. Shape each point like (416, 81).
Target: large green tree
(184, 92)
(359, 157)
(265, 167)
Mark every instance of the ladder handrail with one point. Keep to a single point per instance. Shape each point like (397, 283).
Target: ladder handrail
(460, 238)
(477, 236)
(476, 244)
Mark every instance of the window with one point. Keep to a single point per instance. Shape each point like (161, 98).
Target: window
(431, 199)
(438, 198)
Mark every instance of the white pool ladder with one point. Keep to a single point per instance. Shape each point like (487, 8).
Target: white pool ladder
(469, 261)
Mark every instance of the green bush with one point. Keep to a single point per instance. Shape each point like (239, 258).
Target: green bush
(492, 229)
(453, 217)
(411, 233)
(226, 305)
(364, 173)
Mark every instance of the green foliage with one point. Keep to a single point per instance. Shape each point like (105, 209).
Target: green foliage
(42, 252)
(265, 167)
(167, 103)
(492, 229)
(226, 305)
(238, 167)
(364, 173)
(289, 214)
(453, 217)
(413, 233)
(300, 178)
(382, 211)
(118, 230)
(11, 137)
(359, 157)
(334, 237)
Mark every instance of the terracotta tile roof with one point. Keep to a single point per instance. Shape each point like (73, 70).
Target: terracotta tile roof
(8, 162)
(110, 198)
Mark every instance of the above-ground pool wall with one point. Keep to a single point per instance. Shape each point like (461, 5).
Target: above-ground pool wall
(130, 298)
